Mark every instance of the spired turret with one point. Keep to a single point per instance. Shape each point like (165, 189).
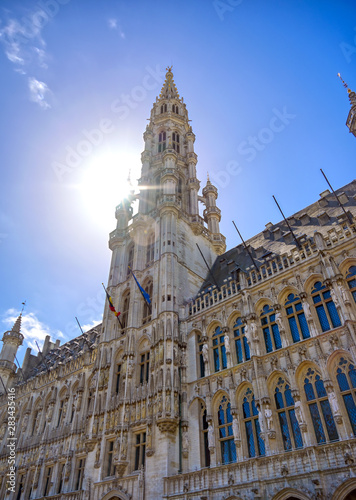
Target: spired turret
(11, 342)
(351, 119)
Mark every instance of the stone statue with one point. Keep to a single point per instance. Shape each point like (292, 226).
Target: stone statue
(333, 403)
(306, 309)
(254, 331)
(343, 294)
(185, 440)
(211, 440)
(205, 352)
(334, 296)
(235, 427)
(260, 420)
(268, 415)
(24, 423)
(130, 367)
(248, 334)
(279, 320)
(227, 343)
(299, 412)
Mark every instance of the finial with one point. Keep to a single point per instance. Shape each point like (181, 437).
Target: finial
(344, 83)
(208, 178)
(169, 68)
(23, 306)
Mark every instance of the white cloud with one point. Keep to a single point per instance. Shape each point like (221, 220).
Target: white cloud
(112, 23)
(31, 328)
(38, 91)
(91, 325)
(25, 48)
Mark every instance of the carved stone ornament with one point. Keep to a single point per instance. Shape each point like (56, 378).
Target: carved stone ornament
(168, 425)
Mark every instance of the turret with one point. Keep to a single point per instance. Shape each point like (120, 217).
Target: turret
(351, 119)
(11, 342)
(212, 215)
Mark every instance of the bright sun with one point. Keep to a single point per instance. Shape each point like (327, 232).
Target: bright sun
(105, 183)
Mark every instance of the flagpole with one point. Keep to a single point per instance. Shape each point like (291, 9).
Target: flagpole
(110, 302)
(210, 271)
(141, 291)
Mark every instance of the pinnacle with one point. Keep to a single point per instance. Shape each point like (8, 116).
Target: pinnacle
(169, 89)
(17, 326)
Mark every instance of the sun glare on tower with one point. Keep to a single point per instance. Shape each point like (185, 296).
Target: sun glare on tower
(106, 182)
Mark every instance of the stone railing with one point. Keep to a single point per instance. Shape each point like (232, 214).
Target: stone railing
(213, 296)
(252, 472)
(129, 485)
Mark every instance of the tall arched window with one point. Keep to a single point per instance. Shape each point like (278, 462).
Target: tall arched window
(219, 351)
(226, 435)
(201, 358)
(318, 404)
(175, 109)
(325, 307)
(241, 345)
(346, 378)
(161, 142)
(351, 281)
(175, 141)
(125, 309)
(296, 318)
(288, 422)
(270, 329)
(146, 316)
(163, 108)
(204, 442)
(130, 260)
(150, 250)
(255, 444)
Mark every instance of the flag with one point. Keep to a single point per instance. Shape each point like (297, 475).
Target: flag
(111, 305)
(143, 292)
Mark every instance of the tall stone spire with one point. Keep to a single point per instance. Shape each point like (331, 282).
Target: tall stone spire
(351, 119)
(11, 342)
(169, 89)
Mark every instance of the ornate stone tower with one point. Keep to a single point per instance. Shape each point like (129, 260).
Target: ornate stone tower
(351, 119)
(11, 342)
(159, 245)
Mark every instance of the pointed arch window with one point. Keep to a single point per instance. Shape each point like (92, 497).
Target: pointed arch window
(325, 307)
(226, 435)
(130, 260)
(270, 329)
(175, 141)
(125, 309)
(201, 358)
(175, 109)
(255, 444)
(161, 142)
(205, 441)
(351, 281)
(144, 367)
(146, 316)
(219, 350)
(291, 435)
(298, 324)
(150, 250)
(319, 407)
(346, 378)
(163, 108)
(241, 344)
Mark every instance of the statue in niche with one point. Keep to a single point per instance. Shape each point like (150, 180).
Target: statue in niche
(227, 343)
(343, 294)
(333, 403)
(168, 403)
(334, 297)
(211, 440)
(299, 412)
(268, 415)
(279, 320)
(123, 446)
(185, 440)
(25, 422)
(205, 352)
(260, 420)
(306, 309)
(235, 427)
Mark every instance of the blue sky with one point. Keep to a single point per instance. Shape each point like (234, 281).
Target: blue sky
(78, 80)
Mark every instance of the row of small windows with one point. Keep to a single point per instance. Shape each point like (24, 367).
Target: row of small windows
(175, 108)
(317, 410)
(162, 142)
(271, 322)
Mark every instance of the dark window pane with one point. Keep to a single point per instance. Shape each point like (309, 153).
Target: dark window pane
(352, 375)
(324, 323)
(335, 319)
(303, 326)
(279, 400)
(247, 349)
(294, 329)
(289, 397)
(216, 360)
(287, 443)
(223, 353)
(320, 389)
(309, 391)
(250, 439)
(295, 430)
(268, 341)
(260, 442)
(342, 381)
(329, 420)
(276, 336)
(246, 409)
(318, 427)
(351, 410)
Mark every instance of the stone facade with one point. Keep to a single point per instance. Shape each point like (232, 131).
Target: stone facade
(234, 383)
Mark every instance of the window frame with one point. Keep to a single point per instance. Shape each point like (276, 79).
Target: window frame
(219, 350)
(240, 340)
(270, 329)
(139, 447)
(298, 324)
(325, 307)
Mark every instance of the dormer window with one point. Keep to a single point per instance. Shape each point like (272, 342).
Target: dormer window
(175, 109)
(161, 142)
(175, 141)
(164, 108)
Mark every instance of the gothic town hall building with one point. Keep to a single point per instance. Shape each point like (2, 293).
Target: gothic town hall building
(236, 383)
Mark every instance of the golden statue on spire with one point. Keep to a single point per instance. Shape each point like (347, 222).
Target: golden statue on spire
(169, 68)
